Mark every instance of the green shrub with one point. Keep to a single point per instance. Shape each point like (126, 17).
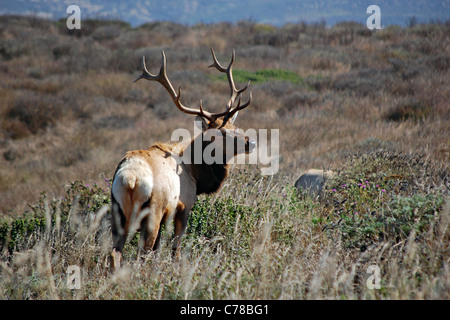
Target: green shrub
(382, 196)
(408, 110)
(222, 218)
(24, 231)
(367, 214)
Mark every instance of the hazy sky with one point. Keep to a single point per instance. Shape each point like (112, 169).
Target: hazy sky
(266, 11)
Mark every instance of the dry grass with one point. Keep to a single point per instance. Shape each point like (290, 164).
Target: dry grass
(256, 239)
(69, 111)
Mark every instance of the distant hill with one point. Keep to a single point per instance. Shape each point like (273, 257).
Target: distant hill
(276, 12)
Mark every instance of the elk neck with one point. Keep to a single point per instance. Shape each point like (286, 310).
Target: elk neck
(208, 177)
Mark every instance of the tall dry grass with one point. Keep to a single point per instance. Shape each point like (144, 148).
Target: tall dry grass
(256, 239)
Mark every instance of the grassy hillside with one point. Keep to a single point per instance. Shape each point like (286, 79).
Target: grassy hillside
(373, 106)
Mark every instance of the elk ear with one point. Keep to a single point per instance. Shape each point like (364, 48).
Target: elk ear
(233, 118)
(200, 123)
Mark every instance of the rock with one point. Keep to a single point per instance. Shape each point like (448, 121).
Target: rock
(313, 180)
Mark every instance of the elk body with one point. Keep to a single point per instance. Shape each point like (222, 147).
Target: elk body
(151, 186)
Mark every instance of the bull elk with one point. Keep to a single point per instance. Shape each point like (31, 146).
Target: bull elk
(151, 186)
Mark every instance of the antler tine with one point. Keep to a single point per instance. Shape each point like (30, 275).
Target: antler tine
(245, 105)
(231, 113)
(162, 78)
(147, 75)
(235, 93)
(217, 64)
(202, 113)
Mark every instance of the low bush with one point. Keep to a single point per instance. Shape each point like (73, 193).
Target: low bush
(47, 217)
(407, 110)
(30, 113)
(264, 75)
(383, 196)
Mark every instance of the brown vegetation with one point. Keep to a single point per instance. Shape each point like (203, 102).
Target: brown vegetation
(69, 110)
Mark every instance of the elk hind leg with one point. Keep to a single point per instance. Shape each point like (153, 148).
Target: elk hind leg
(150, 230)
(119, 233)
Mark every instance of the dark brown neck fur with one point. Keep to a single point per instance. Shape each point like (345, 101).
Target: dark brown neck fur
(208, 177)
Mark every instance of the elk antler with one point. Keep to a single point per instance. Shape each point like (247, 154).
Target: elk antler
(234, 92)
(164, 80)
(229, 71)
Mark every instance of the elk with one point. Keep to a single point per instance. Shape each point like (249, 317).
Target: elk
(150, 186)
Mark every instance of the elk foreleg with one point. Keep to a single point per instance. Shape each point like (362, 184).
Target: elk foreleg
(180, 222)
